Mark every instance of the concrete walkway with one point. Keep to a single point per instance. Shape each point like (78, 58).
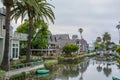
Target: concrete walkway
(25, 69)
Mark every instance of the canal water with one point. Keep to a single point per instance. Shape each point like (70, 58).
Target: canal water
(88, 69)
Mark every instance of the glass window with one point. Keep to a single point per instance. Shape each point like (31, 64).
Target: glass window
(16, 45)
(13, 45)
(15, 50)
(13, 55)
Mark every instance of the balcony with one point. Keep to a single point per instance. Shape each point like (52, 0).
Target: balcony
(20, 36)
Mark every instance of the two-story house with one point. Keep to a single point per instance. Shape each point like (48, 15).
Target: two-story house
(14, 39)
(57, 41)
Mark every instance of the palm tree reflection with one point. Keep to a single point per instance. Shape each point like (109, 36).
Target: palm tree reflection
(107, 70)
(82, 67)
(99, 67)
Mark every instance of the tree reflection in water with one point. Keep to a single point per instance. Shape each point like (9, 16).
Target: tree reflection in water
(70, 71)
(81, 71)
(107, 70)
(99, 67)
(82, 67)
(74, 70)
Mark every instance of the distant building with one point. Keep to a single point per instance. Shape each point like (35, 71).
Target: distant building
(75, 37)
(83, 45)
(57, 41)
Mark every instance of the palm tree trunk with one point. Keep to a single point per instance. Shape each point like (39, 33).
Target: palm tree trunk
(29, 38)
(6, 58)
(81, 35)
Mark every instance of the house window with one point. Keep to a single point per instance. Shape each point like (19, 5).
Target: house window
(15, 52)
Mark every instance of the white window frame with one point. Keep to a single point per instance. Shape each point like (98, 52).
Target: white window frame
(15, 52)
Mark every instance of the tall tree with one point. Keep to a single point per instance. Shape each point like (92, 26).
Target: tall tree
(40, 39)
(80, 30)
(39, 35)
(98, 43)
(35, 9)
(98, 39)
(106, 39)
(118, 27)
(5, 61)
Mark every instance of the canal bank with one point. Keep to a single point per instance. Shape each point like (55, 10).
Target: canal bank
(18, 71)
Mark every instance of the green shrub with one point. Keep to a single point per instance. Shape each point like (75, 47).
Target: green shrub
(69, 48)
(118, 49)
(16, 76)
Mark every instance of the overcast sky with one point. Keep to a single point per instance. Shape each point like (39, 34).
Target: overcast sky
(95, 17)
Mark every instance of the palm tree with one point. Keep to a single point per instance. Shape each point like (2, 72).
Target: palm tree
(5, 61)
(98, 39)
(39, 10)
(106, 37)
(106, 40)
(118, 27)
(80, 30)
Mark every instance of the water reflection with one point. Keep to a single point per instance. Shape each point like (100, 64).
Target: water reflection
(82, 67)
(71, 71)
(88, 69)
(107, 70)
(105, 66)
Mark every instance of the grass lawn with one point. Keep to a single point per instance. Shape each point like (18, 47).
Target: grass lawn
(2, 73)
(49, 63)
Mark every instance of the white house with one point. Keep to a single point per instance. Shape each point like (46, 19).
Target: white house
(14, 39)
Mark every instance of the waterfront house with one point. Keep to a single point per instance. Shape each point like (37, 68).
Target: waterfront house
(57, 41)
(14, 39)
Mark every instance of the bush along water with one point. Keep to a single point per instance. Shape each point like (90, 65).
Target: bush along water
(20, 76)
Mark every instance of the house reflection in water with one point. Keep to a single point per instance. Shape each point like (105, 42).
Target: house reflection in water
(69, 71)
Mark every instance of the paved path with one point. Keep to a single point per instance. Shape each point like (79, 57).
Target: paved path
(25, 69)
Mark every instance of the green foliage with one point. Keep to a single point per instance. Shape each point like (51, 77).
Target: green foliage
(16, 76)
(39, 33)
(104, 42)
(118, 49)
(50, 63)
(40, 39)
(2, 73)
(69, 48)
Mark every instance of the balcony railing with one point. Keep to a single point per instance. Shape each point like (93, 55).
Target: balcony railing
(20, 36)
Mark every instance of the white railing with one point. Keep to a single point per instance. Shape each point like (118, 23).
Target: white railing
(20, 36)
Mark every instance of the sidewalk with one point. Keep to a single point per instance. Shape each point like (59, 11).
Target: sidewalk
(25, 69)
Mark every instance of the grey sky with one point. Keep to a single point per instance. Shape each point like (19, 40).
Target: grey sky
(94, 16)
